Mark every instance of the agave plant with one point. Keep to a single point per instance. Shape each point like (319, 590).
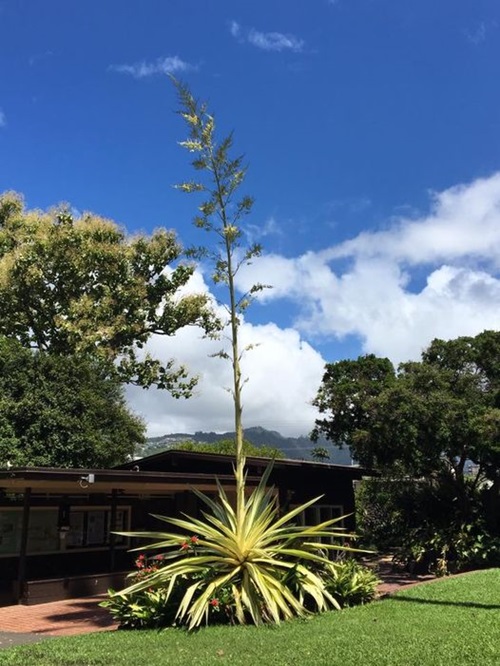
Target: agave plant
(271, 565)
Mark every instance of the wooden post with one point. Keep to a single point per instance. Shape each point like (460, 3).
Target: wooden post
(21, 574)
(112, 528)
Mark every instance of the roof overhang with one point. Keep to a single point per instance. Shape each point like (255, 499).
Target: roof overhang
(76, 481)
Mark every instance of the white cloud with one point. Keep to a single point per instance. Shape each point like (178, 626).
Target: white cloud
(284, 373)
(463, 222)
(452, 253)
(267, 41)
(234, 29)
(143, 69)
(255, 232)
(3, 120)
(437, 275)
(274, 41)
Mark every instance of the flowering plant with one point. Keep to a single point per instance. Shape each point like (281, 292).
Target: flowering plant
(257, 565)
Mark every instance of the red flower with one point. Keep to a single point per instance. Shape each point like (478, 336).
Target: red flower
(184, 545)
(194, 539)
(214, 603)
(159, 557)
(140, 562)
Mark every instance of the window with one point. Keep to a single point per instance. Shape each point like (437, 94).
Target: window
(43, 534)
(85, 527)
(319, 513)
(90, 527)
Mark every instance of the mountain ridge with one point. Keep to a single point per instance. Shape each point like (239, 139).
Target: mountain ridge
(299, 448)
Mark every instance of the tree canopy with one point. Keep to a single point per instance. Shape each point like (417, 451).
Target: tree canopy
(228, 447)
(62, 411)
(80, 285)
(429, 416)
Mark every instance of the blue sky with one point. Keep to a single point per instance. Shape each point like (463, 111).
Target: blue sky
(372, 134)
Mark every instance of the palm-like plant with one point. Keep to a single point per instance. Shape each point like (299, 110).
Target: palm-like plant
(271, 565)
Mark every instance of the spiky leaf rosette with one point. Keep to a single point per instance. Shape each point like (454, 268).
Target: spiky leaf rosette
(271, 564)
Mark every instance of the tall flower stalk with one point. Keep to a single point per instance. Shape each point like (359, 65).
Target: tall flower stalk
(271, 567)
(220, 213)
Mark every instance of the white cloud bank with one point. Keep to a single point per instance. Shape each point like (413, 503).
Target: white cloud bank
(398, 288)
(283, 373)
(144, 69)
(453, 252)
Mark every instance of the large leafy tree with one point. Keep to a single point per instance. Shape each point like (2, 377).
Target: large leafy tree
(429, 419)
(79, 285)
(431, 415)
(62, 411)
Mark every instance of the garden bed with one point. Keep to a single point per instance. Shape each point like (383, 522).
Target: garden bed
(452, 621)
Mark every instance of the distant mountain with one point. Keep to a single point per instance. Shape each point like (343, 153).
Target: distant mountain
(293, 447)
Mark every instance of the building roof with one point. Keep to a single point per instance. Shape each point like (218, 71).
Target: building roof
(175, 458)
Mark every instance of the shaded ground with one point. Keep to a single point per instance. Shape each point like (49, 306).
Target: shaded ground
(392, 578)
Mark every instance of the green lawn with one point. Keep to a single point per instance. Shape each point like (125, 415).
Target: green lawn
(452, 622)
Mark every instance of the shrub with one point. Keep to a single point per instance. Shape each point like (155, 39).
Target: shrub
(351, 583)
(157, 608)
(456, 548)
(149, 609)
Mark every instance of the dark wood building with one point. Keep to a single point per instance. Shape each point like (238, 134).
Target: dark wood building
(56, 525)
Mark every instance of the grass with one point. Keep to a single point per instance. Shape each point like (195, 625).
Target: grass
(450, 622)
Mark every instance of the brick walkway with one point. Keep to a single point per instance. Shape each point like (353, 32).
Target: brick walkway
(392, 579)
(58, 618)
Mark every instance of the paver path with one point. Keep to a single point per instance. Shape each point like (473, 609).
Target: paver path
(57, 618)
(392, 579)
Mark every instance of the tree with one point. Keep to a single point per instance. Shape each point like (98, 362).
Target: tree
(431, 416)
(427, 422)
(345, 396)
(228, 447)
(62, 411)
(320, 454)
(79, 285)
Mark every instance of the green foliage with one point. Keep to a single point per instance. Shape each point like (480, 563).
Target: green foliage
(425, 423)
(420, 521)
(156, 608)
(345, 394)
(430, 417)
(228, 447)
(62, 411)
(351, 583)
(149, 609)
(82, 286)
(266, 561)
(320, 453)
(459, 547)
(386, 509)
